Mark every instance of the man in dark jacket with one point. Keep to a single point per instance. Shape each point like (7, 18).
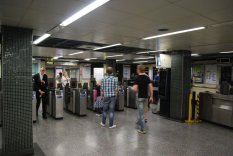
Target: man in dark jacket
(41, 88)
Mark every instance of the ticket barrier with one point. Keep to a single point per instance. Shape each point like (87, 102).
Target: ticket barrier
(76, 101)
(80, 102)
(131, 98)
(33, 106)
(120, 101)
(55, 106)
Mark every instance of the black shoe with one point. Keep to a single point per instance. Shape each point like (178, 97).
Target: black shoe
(145, 120)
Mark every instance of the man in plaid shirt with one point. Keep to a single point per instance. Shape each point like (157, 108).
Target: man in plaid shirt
(109, 93)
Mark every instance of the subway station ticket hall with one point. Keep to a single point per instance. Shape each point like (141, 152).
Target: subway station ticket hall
(185, 46)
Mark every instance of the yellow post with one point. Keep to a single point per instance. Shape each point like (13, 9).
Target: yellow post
(197, 120)
(190, 110)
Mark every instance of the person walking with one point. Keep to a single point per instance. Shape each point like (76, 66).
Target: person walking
(109, 93)
(41, 87)
(142, 86)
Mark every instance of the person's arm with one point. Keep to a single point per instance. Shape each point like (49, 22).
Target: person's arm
(102, 88)
(116, 87)
(151, 92)
(135, 87)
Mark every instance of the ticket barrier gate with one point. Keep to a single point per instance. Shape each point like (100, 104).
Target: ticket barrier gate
(131, 98)
(120, 101)
(80, 102)
(76, 101)
(55, 106)
(33, 106)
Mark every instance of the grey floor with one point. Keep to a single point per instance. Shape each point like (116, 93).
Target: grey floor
(75, 136)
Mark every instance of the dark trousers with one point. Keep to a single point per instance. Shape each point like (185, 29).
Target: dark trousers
(44, 99)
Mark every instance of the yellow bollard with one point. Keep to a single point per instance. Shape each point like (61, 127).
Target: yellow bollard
(189, 121)
(197, 119)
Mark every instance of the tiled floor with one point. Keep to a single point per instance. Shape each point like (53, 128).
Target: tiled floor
(75, 136)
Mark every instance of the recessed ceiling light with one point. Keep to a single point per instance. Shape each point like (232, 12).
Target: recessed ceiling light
(114, 56)
(147, 52)
(88, 59)
(120, 60)
(173, 33)
(144, 58)
(42, 38)
(140, 61)
(113, 45)
(57, 57)
(226, 52)
(76, 53)
(83, 12)
(195, 55)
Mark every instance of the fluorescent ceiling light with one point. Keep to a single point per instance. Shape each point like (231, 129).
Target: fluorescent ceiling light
(84, 11)
(174, 33)
(147, 52)
(57, 57)
(88, 59)
(113, 45)
(76, 53)
(33, 59)
(226, 52)
(120, 60)
(194, 54)
(140, 62)
(114, 56)
(144, 58)
(42, 38)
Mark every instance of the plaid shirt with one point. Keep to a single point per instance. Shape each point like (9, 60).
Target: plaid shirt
(109, 86)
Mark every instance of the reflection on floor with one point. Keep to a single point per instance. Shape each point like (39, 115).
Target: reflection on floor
(75, 136)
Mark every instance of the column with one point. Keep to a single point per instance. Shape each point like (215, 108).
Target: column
(180, 84)
(17, 91)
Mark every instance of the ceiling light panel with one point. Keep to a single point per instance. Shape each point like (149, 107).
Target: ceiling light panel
(144, 58)
(113, 45)
(114, 56)
(174, 33)
(76, 53)
(140, 61)
(83, 12)
(42, 38)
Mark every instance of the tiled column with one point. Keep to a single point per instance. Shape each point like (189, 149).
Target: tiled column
(17, 91)
(180, 84)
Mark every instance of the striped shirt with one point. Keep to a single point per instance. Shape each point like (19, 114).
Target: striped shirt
(109, 86)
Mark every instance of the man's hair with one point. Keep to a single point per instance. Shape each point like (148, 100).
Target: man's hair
(42, 68)
(141, 68)
(109, 70)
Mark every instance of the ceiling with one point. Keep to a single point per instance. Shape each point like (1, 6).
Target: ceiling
(127, 22)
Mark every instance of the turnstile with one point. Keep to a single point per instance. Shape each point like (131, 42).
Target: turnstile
(120, 101)
(33, 106)
(55, 105)
(81, 102)
(90, 100)
(76, 102)
(131, 98)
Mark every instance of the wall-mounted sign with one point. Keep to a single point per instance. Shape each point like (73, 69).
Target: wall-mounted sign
(98, 73)
(126, 72)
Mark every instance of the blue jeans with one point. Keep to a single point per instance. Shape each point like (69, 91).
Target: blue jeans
(109, 106)
(141, 102)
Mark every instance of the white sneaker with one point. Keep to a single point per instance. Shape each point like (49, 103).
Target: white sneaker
(103, 125)
(141, 131)
(113, 126)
